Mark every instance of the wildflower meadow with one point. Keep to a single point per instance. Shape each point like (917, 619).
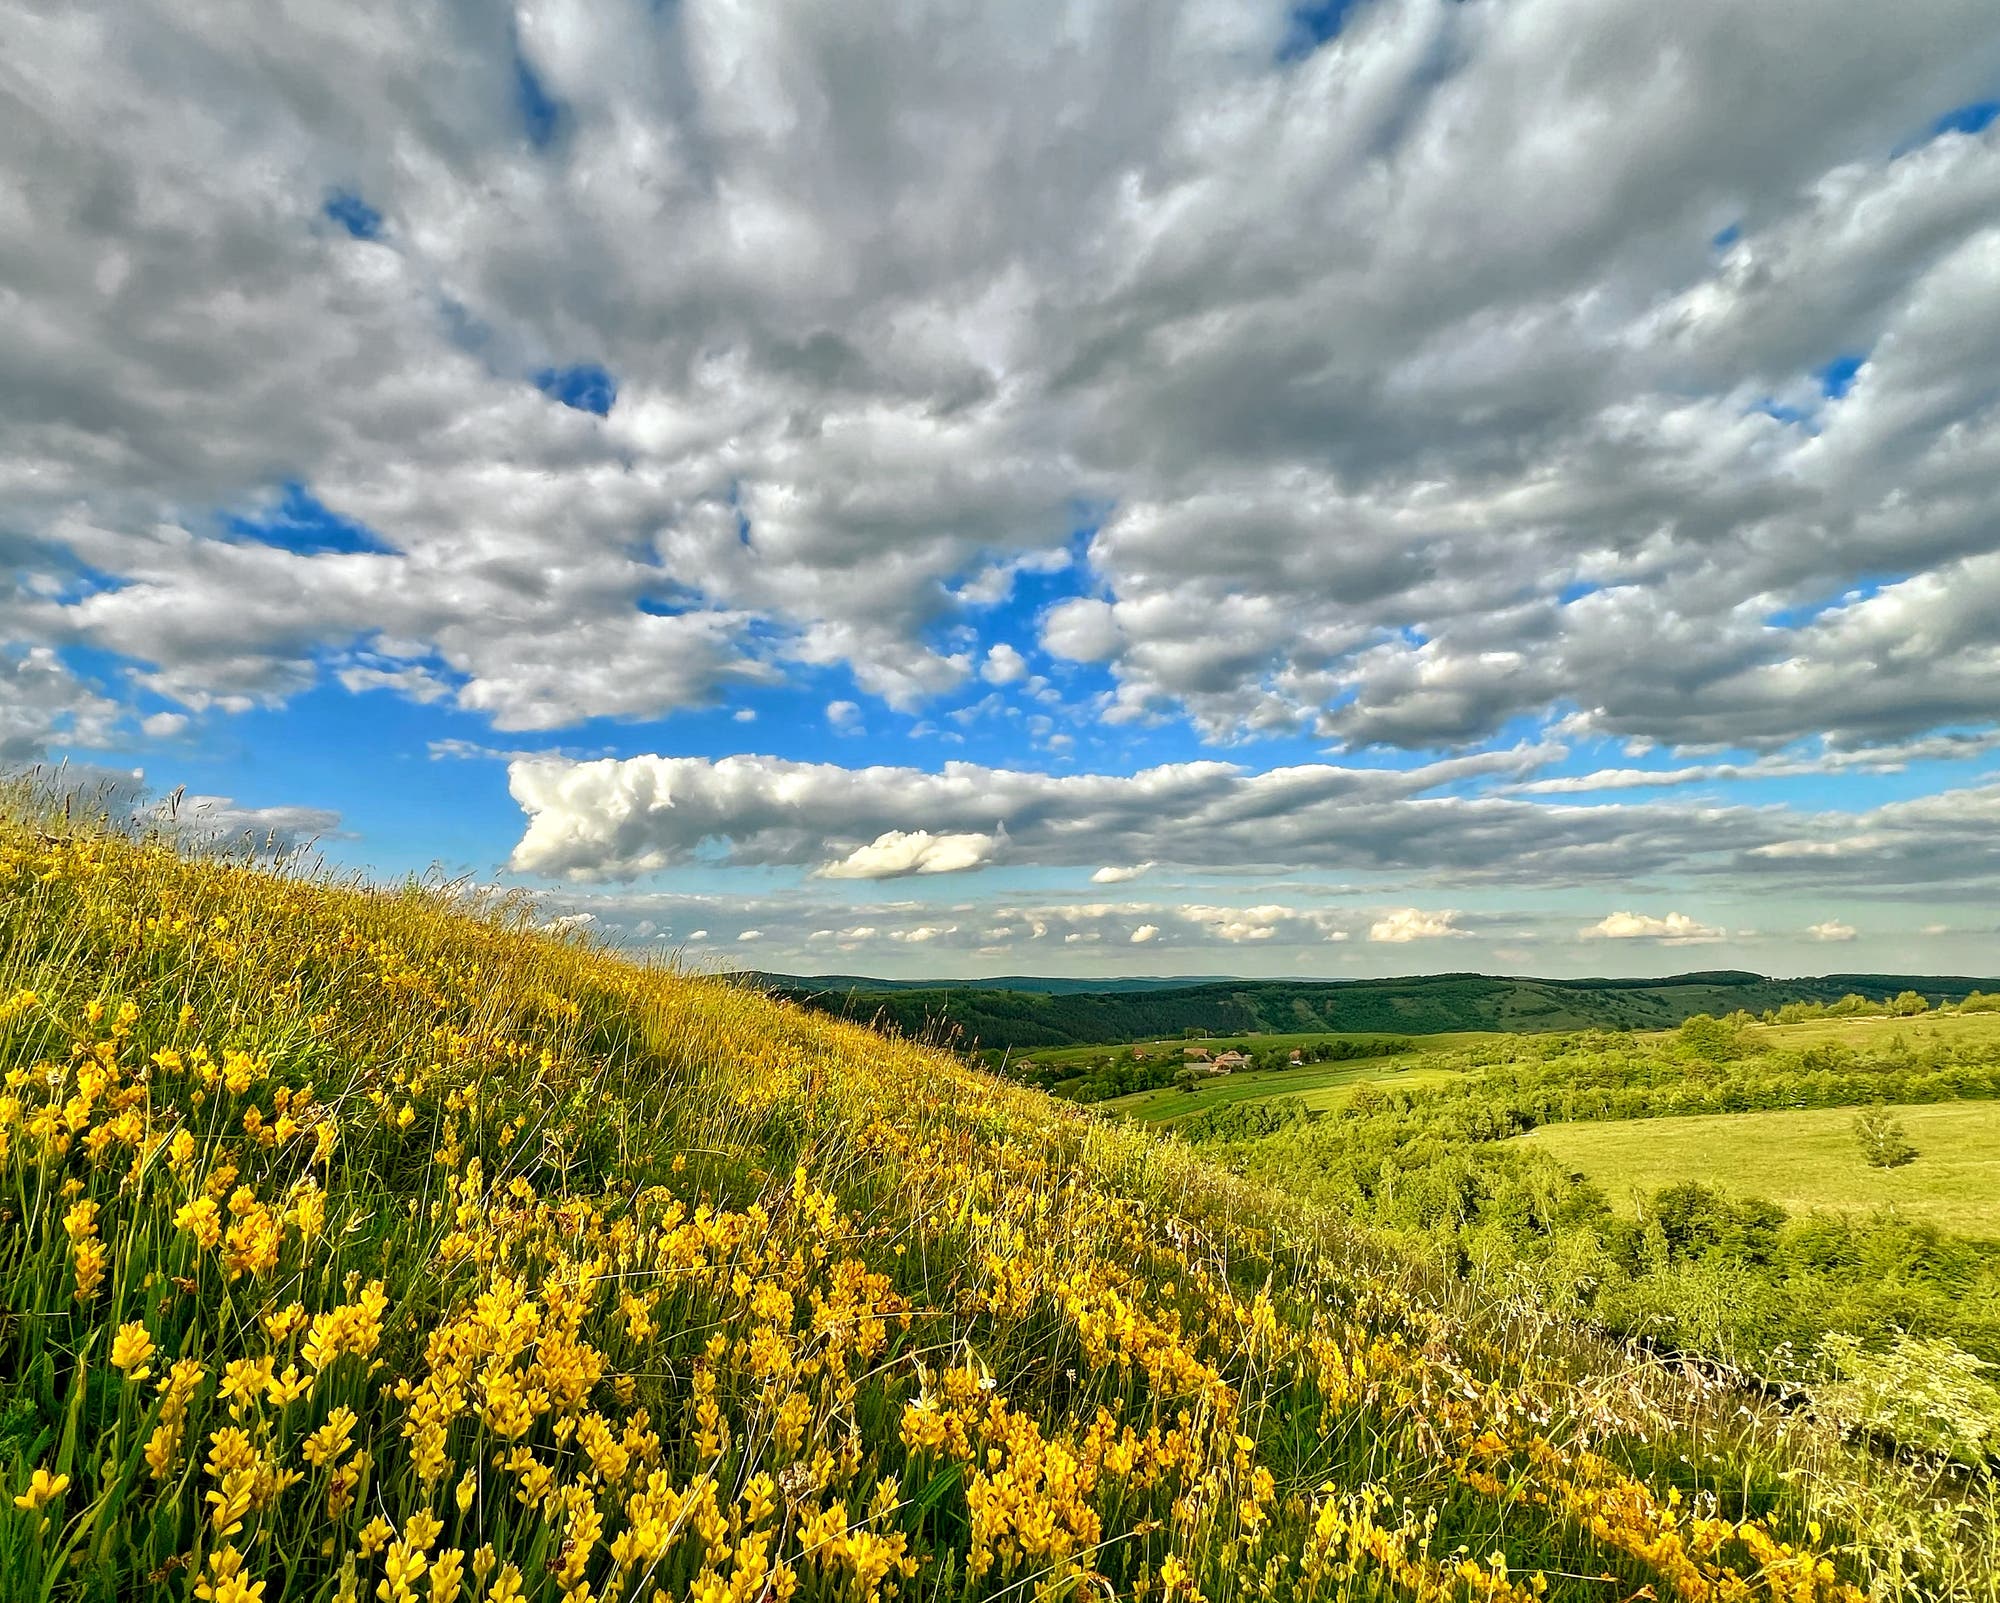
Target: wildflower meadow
(369, 1242)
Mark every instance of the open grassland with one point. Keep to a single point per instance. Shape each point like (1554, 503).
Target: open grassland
(1802, 1160)
(1320, 1086)
(1880, 1034)
(1080, 1057)
(361, 1244)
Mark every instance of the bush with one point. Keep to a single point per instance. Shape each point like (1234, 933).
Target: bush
(1883, 1140)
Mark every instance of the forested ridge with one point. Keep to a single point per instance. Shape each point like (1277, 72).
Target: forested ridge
(1419, 1005)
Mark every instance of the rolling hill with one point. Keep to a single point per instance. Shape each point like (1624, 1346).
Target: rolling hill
(1019, 1018)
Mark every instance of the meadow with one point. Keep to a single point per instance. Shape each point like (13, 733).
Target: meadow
(1318, 1086)
(369, 1242)
(1881, 1033)
(1803, 1161)
(1076, 1059)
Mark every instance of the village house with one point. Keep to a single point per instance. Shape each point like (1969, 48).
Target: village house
(1230, 1061)
(1195, 1054)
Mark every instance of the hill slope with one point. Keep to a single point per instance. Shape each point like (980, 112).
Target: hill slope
(1421, 1005)
(361, 1244)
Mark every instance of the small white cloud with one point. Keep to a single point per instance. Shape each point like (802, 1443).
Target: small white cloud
(1145, 933)
(164, 725)
(419, 684)
(1118, 876)
(1414, 924)
(843, 715)
(1241, 923)
(745, 715)
(1081, 629)
(699, 935)
(1004, 665)
(1831, 930)
(1676, 929)
(900, 852)
(751, 935)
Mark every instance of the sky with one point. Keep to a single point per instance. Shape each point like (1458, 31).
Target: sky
(1100, 488)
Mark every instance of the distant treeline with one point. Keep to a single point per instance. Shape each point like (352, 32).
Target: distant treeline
(965, 1017)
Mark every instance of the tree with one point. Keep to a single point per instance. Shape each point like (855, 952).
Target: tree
(1710, 1039)
(1884, 1142)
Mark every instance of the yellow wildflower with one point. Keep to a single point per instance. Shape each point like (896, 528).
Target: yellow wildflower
(131, 1350)
(42, 1488)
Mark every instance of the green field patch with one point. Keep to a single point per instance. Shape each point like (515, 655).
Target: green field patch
(1172, 1049)
(1877, 1034)
(1802, 1160)
(1320, 1086)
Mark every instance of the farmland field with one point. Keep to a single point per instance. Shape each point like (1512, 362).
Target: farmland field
(1080, 1057)
(1803, 1160)
(1320, 1086)
(1878, 1034)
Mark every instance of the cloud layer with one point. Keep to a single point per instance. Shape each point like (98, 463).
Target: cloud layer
(1487, 361)
(618, 819)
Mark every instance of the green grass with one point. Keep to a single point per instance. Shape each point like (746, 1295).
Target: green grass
(1876, 1034)
(1319, 1085)
(1803, 1160)
(1170, 1049)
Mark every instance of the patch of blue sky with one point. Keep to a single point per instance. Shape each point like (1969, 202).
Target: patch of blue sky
(1837, 377)
(1973, 118)
(354, 214)
(1576, 590)
(367, 757)
(78, 580)
(298, 522)
(1970, 119)
(1726, 236)
(542, 114)
(584, 385)
(1311, 25)
(1784, 412)
(1865, 588)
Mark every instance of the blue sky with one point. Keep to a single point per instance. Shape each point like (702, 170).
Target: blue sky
(1354, 488)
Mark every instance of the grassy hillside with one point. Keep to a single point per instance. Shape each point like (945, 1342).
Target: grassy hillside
(367, 1244)
(1424, 1005)
(1803, 1160)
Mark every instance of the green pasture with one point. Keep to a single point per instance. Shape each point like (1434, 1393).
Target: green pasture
(1169, 1049)
(1877, 1034)
(1320, 1086)
(1803, 1160)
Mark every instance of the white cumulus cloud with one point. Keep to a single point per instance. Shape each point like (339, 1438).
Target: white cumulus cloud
(1674, 929)
(896, 853)
(1414, 924)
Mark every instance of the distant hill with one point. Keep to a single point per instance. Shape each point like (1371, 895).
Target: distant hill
(1041, 984)
(1009, 1014)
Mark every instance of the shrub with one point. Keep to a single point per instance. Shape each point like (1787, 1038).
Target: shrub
(1883, 1140)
